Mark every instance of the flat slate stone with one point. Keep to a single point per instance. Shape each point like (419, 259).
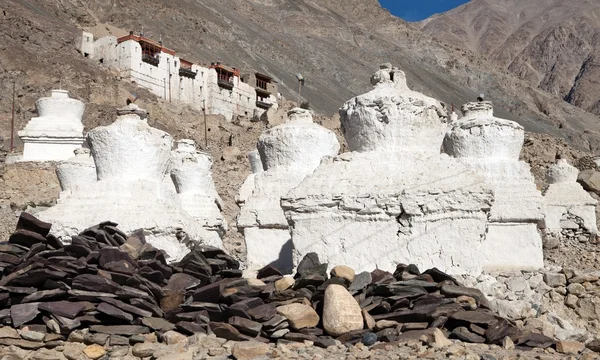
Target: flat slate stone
(464, 334)
(120, 329)
(182, 282)
(26, 238)
(456, 291)
(158, 324)
(64, 308)
(267, 271)
(403, 316)
(126, 307)
(95, 283)
(18, 289)
(114, 312)
(263, 312)
(89, 295)
(474, 317)
(299, 337)
(191, 327)
(227, 331)
(209, 293)
(360, 281)
(43, 295)
(325, 342)
(146, 305)
(308, 262)
(246, 326)
(497, 332)
(23, 313)
(31, 223)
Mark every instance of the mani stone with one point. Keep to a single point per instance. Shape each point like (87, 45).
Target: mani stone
(300, 316)
(341, 312)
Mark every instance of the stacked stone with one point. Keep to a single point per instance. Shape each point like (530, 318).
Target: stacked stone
(119, 288)
(103, 280)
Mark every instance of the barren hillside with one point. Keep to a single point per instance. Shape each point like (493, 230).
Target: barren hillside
(552, 44)
(335, 44)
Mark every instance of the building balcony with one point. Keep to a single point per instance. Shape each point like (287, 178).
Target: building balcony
(187, 73)
(224, 83)
(150, 59)
(263, 104)
(262, 92)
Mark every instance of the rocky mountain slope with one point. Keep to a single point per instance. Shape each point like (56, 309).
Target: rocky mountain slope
(336, 44)
(552, 44)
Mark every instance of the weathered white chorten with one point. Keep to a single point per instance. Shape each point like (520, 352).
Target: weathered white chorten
(76, 173)
(567, 203)
(490, 147)
(56, 132)
(289, 152)
(131, 160)
(247, 187)
(191, 172)
(394, 198)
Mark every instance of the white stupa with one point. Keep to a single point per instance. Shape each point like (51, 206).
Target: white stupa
(76, 173)
(566, 199)
(191, 172)
(131, 161)
(394, 198)
(289, 152)
(490, 147)
(56, 132)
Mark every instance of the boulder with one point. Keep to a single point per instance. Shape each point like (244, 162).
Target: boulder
(341, 312)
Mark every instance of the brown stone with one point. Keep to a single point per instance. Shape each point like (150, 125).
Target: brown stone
(300, 315)
(249, 350)
(569, 347)
(344, 272)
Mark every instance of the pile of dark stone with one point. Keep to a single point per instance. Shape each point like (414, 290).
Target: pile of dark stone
(120, 286)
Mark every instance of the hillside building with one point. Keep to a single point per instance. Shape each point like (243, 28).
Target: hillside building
(219, 89)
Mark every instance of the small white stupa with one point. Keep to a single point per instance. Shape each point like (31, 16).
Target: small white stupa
(131, 161)
(491, 146)
(394, 198)
(289, 152)
(76, 173)
(56, 132)
(191, 172)
(567, 202)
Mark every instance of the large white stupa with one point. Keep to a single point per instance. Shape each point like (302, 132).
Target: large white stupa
(131, 160)
(394, 198)
(289, 152)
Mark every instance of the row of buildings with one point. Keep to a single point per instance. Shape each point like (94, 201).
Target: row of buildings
(218, 88)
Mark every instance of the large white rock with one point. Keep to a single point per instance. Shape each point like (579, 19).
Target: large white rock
(490, 147)
(56, 132)
(395, 198)
(565, 197)
(289, 152)
(131, 160)
(341, 312)
(191, 172)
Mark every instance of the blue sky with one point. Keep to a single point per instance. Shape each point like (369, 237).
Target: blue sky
(415, 10)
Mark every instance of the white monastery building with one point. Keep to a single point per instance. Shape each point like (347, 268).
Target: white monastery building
(219, 89)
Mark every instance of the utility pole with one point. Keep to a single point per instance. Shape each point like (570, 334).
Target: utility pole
(205, 126)
(12, 121)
